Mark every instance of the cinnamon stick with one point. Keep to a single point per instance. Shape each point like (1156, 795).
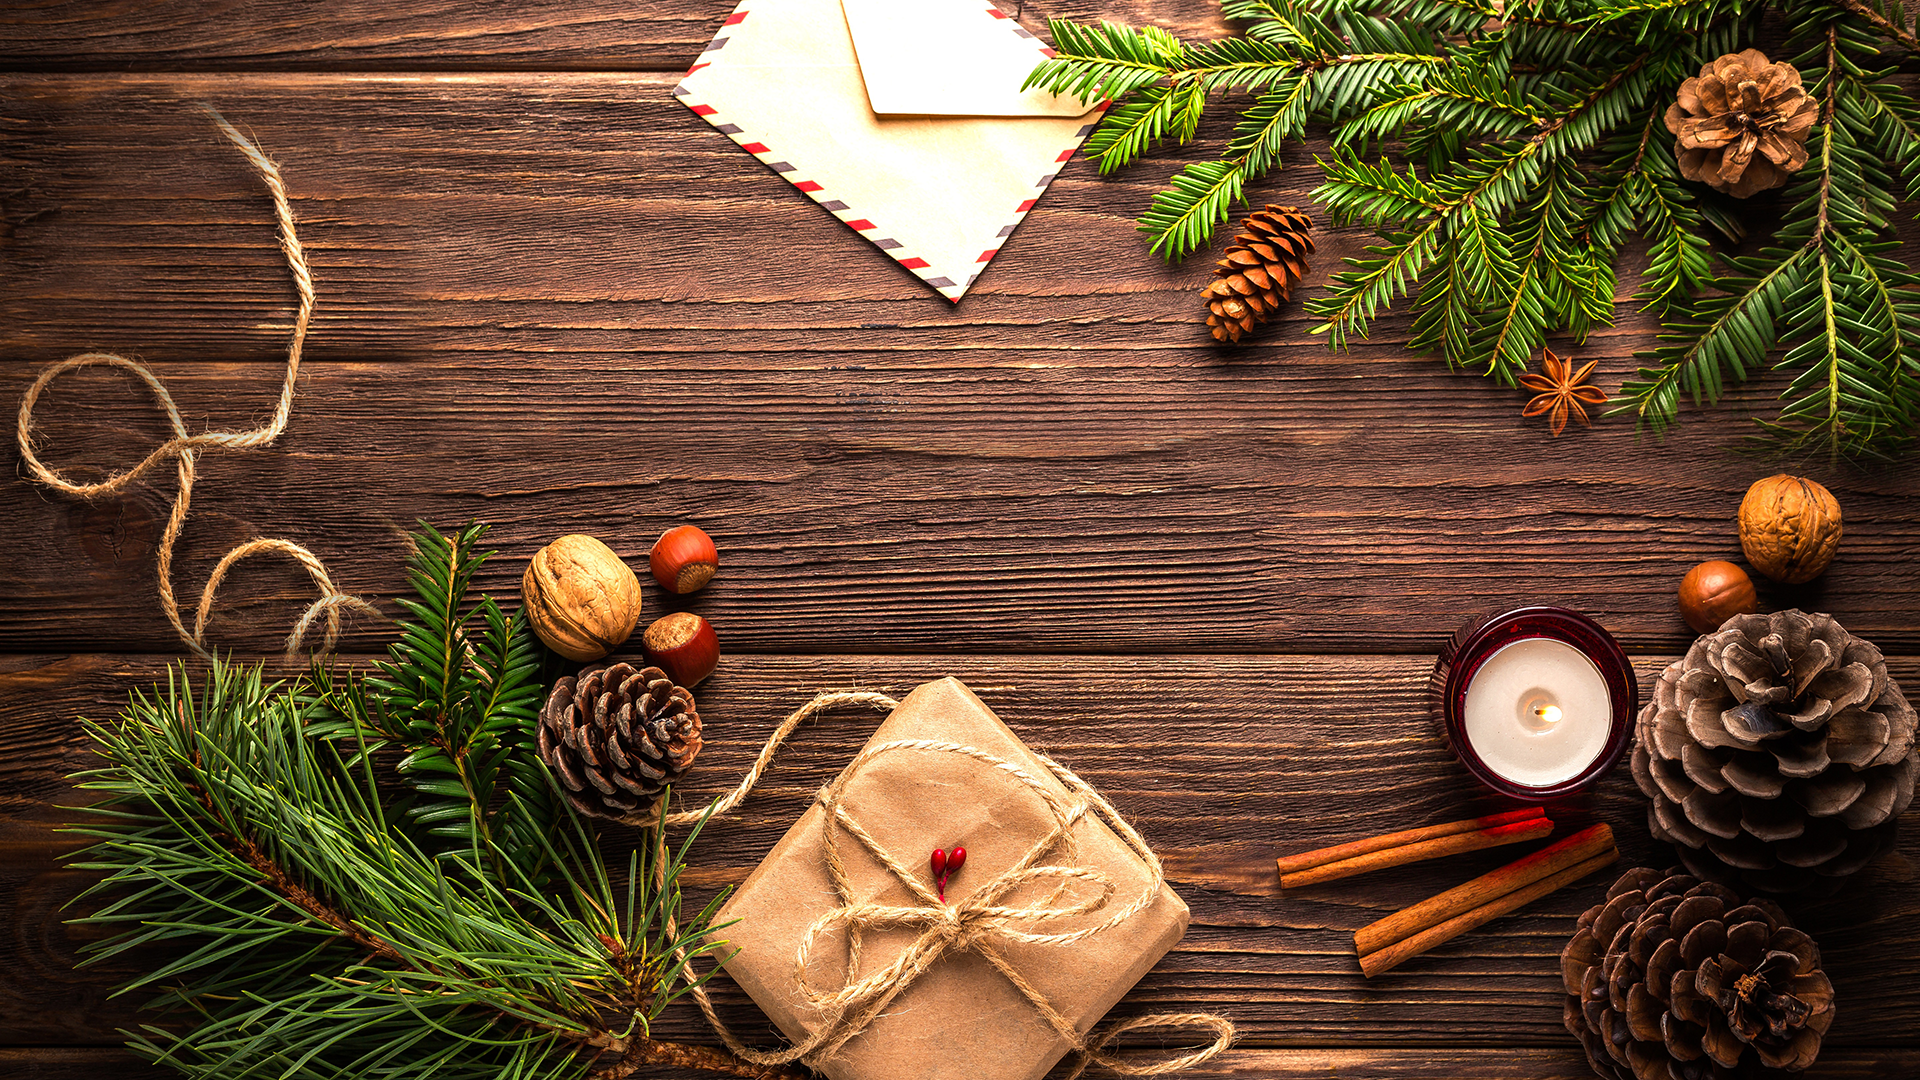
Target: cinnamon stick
(1434, 936)
(1307, 860)
(1451, 844)
(1484, 890)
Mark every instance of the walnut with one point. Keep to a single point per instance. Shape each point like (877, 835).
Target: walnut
(1789, 528)
(581, 599)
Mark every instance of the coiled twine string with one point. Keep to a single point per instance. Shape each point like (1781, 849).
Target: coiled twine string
(976, 924)
(185, 449)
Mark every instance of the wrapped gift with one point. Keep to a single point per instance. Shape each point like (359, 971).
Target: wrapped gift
(846, 944)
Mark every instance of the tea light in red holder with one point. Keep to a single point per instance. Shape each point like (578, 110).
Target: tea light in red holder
(1537, 703)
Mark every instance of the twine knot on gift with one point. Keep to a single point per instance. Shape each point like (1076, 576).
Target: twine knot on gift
(1000, 911)
(185, 449)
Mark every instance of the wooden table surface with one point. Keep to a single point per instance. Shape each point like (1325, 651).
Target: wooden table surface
(1211, 580)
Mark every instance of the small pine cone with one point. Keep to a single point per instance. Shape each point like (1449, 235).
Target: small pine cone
(1258, 272)
(617, 736)
(1741, 125)
(1778, 752)
(1673, 978)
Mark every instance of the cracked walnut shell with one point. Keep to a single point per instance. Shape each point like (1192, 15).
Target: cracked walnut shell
(581, 598)
(1789, 528)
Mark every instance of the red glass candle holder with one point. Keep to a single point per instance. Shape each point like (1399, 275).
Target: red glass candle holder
(1463, 656)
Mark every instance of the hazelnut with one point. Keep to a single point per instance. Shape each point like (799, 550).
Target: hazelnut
(581, 599)
(683, 560)
(684, 646)
(1789, 528)
(1714, 592)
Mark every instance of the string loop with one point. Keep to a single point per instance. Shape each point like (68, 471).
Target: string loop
(185, 449)
(979, 924)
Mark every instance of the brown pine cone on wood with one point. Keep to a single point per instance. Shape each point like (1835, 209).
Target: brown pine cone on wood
(1742, 124)
(616, 736)
(1258, 272)
(1673, 978)
(1778, 752)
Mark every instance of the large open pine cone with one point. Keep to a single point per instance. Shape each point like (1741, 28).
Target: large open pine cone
(1742, 124)
(1258, 272)
(1777, 751)
(617, 736)
(1673, 978)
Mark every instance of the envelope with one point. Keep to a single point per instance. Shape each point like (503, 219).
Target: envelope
(902, 118)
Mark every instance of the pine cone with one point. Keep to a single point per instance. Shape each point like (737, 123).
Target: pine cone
(1260, 268)
(1742, 124)
(616, 737)
(1777, 751)
(1673, 978)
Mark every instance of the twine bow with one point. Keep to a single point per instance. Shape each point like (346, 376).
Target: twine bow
(980, 923)
(185, 449)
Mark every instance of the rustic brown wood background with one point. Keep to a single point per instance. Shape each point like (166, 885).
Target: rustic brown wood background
(553, 299)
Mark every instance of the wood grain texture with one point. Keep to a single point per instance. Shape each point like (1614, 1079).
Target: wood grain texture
(563, 303)
(1340, 748)
(553, 299)
(68, 1063)
(370, 35)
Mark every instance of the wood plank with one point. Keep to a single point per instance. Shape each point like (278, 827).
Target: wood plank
(133, 222)
(1438, 1063)
(1061, 463)
(371, 35)
(893, 509)
(1222, 762)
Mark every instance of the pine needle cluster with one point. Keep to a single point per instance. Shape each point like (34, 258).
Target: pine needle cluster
(300, 921)
(1506, 154)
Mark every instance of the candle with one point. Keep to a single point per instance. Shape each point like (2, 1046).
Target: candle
(1537, 703)
(1538, 712)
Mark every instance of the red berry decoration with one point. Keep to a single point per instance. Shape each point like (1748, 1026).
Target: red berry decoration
(946, 864)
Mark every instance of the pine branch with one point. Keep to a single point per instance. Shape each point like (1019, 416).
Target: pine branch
(1708, 355)
(1880, 22)
(641, 1052)
(1522, 158)
(459, 693)
(1162, 88)
(313, 939)
(1182, 218)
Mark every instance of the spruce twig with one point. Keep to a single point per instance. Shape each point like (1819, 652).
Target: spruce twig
(1523, 153)
(312, 935)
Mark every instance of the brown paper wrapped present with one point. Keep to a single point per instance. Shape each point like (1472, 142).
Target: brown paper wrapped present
(1054, 916)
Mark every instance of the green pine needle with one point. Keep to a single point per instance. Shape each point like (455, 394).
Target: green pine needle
(307, 932)
(1524, 155)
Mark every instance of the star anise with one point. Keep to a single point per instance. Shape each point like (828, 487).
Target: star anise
(1560, 392)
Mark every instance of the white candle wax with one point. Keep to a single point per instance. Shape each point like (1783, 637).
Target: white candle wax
(1538, 712)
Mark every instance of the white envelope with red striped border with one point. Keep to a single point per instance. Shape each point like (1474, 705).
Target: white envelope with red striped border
(904, 118)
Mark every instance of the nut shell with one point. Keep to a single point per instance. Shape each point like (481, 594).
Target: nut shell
(683, 560)
(683, 645)
(1714, 592)
(1789, 528)
(581, 598)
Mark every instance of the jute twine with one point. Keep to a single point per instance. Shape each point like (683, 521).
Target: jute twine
(185, 449)
(980, 924)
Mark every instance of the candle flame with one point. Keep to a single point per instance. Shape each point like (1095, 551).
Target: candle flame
(1548, 714)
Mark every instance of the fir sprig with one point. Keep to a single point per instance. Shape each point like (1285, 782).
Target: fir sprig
(310, 936)
(459, 694)
(311, 930)
(1524, 154)
(1302, 63)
